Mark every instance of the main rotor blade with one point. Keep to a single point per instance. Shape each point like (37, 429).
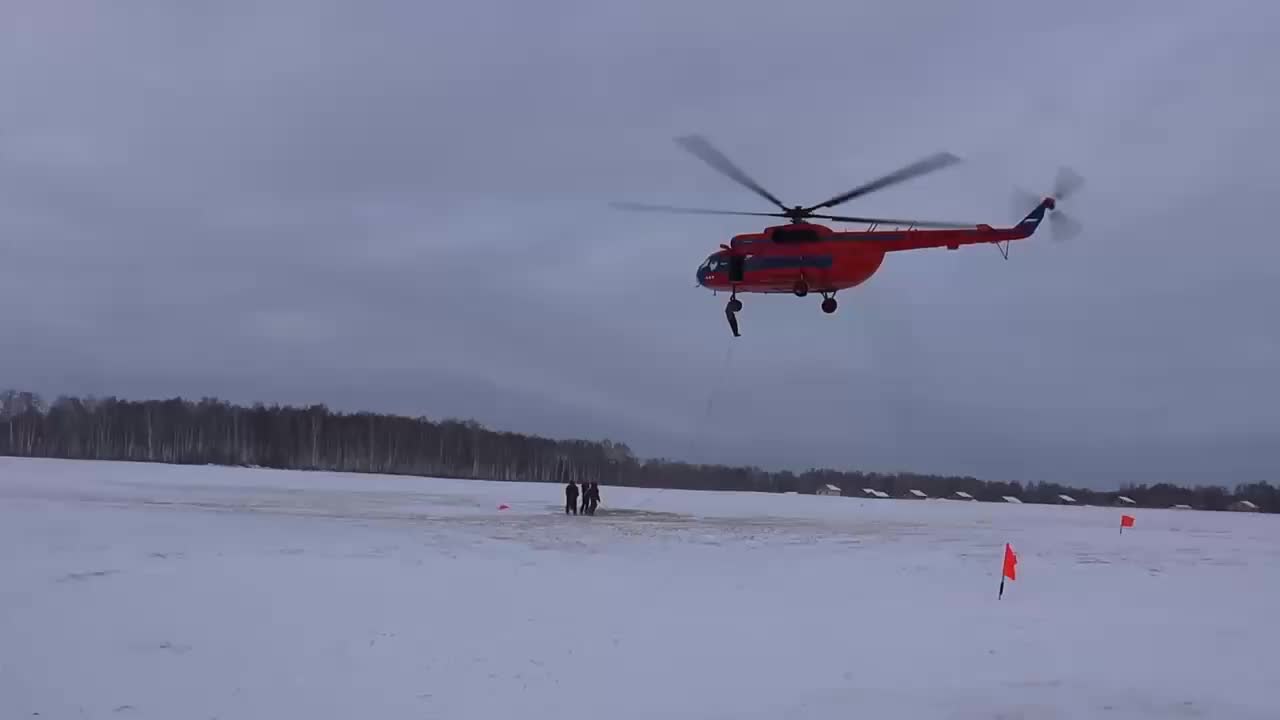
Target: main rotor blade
(688, 211)
(887, 221)
(934, 162)
(707, 153)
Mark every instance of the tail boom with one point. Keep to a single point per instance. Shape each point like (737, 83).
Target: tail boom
(895, 241)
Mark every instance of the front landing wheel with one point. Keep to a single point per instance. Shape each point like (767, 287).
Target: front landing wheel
(829, 305)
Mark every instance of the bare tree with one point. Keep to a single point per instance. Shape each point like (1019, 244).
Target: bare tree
(177, 430)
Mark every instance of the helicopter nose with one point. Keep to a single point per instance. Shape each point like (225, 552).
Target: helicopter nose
(702, 275)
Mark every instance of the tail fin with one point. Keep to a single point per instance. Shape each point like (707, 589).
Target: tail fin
(1033, 218)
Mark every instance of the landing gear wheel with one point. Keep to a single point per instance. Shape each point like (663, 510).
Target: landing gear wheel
(801, 288)
(829, 305)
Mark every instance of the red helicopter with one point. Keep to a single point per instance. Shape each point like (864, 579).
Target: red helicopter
(803, 257)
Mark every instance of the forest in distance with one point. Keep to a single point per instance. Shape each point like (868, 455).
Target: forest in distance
(212, 431)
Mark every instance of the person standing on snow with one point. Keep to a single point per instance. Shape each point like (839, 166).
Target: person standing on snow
(571, 498)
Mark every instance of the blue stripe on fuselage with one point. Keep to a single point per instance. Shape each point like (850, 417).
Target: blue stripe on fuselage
(780, 262)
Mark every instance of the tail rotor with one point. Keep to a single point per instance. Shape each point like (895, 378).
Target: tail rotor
(1062, 226)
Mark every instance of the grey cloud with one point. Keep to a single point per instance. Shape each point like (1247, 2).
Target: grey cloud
(403, 206)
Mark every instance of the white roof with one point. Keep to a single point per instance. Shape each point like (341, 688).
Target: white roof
(1181, 507)
(1126, 500)
(831, 487)
(881, 494)
(1011, 499)
(1066, 498)
(917, 493)
(963, 494)
(1248, 504)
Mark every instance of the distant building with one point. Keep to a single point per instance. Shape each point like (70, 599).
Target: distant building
(1122, 500)
(829, 489)
(961, 495)
(1182, 507)
(1242, 506)
(872, 492)
(1011, 499)
(1066, 500)
(915, 495)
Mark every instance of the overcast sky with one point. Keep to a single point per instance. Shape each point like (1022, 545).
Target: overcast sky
(402, 206)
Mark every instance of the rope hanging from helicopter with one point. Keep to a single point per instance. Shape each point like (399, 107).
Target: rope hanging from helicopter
(700, 425)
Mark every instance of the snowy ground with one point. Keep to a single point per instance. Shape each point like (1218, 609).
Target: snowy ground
(149, 591)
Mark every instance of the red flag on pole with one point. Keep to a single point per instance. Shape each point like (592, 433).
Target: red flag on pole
(1125, 521)
(1010, 562)
(1010, 569)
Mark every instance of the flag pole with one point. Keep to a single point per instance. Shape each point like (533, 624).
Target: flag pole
(1007, 570)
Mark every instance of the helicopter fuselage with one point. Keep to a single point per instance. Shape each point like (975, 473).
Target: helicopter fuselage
(805, 257)
(818, 266)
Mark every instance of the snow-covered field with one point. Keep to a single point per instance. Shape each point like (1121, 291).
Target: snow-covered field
(151, 591)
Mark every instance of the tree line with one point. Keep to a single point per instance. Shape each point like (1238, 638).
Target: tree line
(213, 431)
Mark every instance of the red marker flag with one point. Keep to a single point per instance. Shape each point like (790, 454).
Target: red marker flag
(1010, 567)
(1125, 521)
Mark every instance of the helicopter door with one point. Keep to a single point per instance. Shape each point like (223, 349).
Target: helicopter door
(736, 265)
